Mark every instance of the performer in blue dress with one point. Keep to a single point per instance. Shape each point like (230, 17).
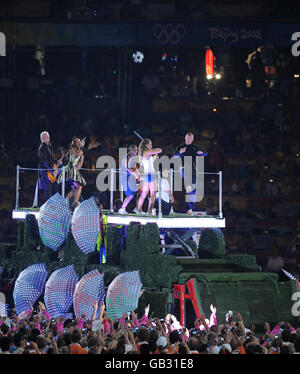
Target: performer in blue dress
(129, 176)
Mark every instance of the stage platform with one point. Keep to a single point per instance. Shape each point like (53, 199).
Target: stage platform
(174, 220)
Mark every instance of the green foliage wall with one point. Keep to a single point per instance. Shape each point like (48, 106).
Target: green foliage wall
(73, 255)
(158, 302)
(143, 254)
(258, 301)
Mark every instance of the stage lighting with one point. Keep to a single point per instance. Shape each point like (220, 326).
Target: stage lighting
(209, 76)
(164, 56)
(218, 76)
(296, 75)
(138, 57)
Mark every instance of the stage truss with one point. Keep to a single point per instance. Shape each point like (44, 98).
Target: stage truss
(174, 220)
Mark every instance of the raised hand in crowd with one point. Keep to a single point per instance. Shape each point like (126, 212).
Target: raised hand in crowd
(267, 326)
(41, 306)
(147, 308)
(133, 315)
(213, 309)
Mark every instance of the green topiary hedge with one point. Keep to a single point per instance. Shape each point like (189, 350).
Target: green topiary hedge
(31, 232)
(20, 233)
(74, 256)
(245, 261)
(113, 245)
(158, 302)
(109, 272)
(212, 244)
(142, 253)
(6, 250)
(22, 258)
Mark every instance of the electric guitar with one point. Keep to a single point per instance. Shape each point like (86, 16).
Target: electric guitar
(137, 170)
(52, 174)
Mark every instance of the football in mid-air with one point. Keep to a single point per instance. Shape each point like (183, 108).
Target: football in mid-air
(138, 57)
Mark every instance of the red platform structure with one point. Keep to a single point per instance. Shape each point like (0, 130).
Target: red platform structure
(179, 293)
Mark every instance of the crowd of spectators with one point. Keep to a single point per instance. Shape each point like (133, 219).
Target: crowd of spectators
(38, 333)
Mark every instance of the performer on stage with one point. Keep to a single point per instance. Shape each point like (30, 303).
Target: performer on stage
(167, 198)
(147, 156)
(46, 161)
(73, 177)
(190, 149)
(129, 177)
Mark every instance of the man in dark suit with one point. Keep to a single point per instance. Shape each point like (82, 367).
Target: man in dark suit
(189, 149)
(46, 161)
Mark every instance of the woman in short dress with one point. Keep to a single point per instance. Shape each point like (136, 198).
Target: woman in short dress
(149, 181)
(74, 179)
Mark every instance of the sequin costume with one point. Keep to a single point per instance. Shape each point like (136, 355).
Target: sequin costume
(71, 172)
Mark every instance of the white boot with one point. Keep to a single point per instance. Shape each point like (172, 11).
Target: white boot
(122, 211)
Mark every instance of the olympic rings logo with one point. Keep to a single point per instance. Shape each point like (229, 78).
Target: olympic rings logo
(169, 33)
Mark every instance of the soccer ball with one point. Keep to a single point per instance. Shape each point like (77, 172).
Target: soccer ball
(138, 57)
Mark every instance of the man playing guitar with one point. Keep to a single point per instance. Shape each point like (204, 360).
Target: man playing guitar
(46, 161)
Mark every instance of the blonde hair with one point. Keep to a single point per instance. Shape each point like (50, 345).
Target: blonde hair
(189, 133)
(142, 146)
(74, 145)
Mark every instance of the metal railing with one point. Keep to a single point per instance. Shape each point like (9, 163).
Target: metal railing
(113, 186)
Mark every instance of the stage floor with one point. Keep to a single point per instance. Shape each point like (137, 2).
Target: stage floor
(174, 220)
